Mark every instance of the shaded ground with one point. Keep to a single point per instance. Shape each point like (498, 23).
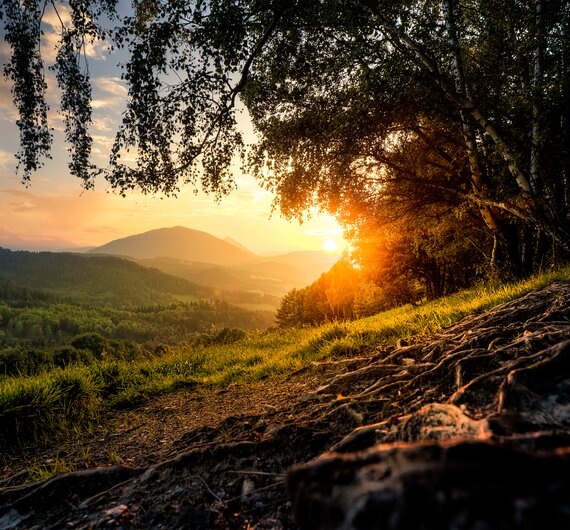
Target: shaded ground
(150, 433)
(468, 430)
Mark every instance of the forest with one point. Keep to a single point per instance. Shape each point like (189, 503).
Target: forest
(59, 309)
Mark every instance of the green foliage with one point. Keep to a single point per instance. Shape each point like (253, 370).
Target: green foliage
(324, 339)
(57, 401)
(224, 336)
(329, 298)
(446, 120)
(46, 405)
(92, 342)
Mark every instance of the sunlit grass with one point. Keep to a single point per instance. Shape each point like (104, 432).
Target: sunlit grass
(57, 402)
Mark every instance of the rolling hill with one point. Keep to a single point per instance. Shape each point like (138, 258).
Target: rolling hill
(223, 264)
(180, 243)
(109, 280)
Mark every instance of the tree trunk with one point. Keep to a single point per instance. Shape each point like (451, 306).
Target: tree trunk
(565, 100)
(480, 187)
(536, 98)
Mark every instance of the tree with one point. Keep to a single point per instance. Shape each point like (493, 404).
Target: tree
(346, 95)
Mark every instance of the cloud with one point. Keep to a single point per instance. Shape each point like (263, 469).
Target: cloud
(16, 241)
(98, 50)
(110, 92)
(103, 124)
(114, 86)
(55, 217)
(53, 21)
(7, 160)
(54, 15)
(105, 142)
(8, 112)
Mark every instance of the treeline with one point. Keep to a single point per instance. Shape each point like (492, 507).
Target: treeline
(57, 323)
(61, 309)
(38, 333)
(90, 348)
(388, 269)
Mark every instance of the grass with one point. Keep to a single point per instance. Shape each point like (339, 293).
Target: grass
(61, 401)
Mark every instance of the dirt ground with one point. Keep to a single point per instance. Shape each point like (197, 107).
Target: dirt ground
(151, 432)
(470, 429)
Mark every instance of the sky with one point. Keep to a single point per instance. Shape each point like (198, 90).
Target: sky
(56, 213)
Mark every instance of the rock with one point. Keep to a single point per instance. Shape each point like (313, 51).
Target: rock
(539, 394)
(468, 485)
(247, 488)
(437, 421)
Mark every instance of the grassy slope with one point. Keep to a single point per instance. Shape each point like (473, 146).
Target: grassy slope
(56, 402)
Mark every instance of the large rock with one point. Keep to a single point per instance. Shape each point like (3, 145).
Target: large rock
(475, 485)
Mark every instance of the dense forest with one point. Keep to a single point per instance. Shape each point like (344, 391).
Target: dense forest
(57, 309)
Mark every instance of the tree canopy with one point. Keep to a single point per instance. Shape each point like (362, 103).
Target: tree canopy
(380, 112)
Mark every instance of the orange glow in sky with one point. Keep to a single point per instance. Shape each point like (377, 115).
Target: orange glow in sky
(330, 245)
(55, 213)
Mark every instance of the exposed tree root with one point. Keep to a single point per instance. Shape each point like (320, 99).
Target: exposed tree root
(468, 430)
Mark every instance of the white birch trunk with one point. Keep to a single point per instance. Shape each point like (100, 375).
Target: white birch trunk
(479, 185)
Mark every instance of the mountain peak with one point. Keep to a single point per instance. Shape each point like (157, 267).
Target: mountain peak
(179, 242)
(235, 243)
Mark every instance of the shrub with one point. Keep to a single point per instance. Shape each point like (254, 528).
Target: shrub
(92, 342)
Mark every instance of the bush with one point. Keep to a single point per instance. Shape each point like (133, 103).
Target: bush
(66, 355)
(92, 342)
(224, 336)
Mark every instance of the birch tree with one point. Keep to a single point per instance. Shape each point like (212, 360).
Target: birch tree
(346, 97)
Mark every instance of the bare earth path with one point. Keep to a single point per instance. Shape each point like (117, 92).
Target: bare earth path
(149, 433)
(469, 430)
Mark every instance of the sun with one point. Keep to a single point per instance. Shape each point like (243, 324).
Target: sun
(330, 245)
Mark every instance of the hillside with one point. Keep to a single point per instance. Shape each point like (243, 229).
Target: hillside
(466, 429)
(107, 280)
(273, 278)
(180, 243)
(223, 264)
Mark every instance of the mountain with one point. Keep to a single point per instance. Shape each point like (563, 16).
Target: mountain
(222, 264)
(235, 243)
(180, 243)
(272, 277)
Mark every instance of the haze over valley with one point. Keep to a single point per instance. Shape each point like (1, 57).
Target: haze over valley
(224, 264)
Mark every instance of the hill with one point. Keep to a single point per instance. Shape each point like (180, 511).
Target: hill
(180, 243)
(223, 264)
(270, 277)
(108, 280)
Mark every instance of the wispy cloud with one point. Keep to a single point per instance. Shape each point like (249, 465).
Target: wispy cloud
(110, 92)
(7, 160)
(8, 112)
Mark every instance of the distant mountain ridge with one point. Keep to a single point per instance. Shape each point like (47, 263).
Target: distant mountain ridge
(180, 243)
(223, 264)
